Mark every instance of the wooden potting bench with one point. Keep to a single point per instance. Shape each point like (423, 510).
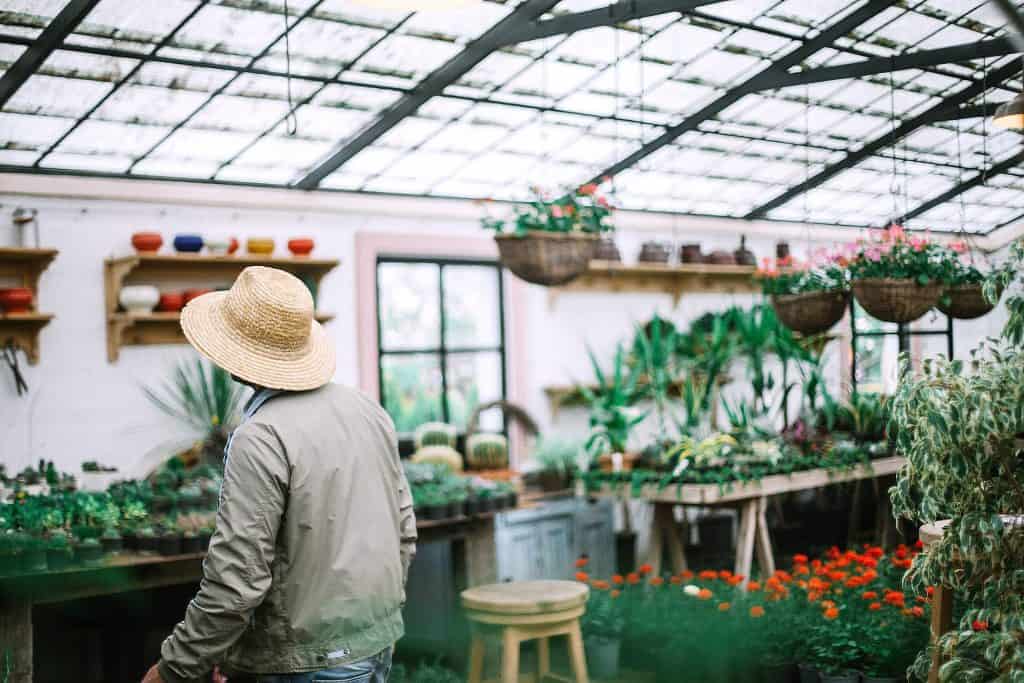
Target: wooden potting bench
(751, 498)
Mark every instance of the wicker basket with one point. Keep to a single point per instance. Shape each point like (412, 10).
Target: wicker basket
(547, 258)
(811, 313)
(896, 300)
(965, 302)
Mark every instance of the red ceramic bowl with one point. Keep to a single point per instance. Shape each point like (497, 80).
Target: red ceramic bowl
(233, 247)
(171, 302)
(16, 300)
(147, 242)
(301, 246)
(190, 294)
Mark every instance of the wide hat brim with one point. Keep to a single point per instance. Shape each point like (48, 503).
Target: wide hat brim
(208, 330)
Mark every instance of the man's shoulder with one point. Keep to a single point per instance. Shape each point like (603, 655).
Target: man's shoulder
(329, 398)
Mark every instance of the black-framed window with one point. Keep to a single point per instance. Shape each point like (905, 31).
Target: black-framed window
(876, 344)
(440, 340)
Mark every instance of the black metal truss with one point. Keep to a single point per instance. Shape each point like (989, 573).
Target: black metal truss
(434, 84)
(927, 117)
(969, 111)
(39, 50)
(1003, 166)
(824, 39)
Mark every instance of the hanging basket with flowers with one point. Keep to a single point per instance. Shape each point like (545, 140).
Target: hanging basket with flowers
(551, 242)
(963, 297)
(807, 299)
(896, 278)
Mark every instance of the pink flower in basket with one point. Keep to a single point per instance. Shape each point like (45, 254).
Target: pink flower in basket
(959, 246)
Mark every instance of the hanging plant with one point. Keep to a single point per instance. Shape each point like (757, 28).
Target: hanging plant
(551, 242)
(807, 299)
(964, 297)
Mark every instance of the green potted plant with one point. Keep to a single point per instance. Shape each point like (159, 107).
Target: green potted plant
(807, 298)
(59, 554)
(431, 500)
(896, 278)
(613, 413)
(505, 496)
(89, 551)
(146, 539)
(602, 625)
(485, 499)
(456, 494)
(549, 241)
(963, 297)
(169, 542)
(556, 458)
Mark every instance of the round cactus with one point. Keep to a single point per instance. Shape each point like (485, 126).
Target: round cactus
(487, 451)
(434, 434)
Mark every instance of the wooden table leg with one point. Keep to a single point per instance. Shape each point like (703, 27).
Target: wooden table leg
(765, 557)
(476, 658)
(745, 540)
(543, 658)
(665, 531)
(16, 639)
(673, 533)
(942, 622)
(577, 654)
(655, 543)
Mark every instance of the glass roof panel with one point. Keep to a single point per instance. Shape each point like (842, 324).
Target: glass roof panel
(463, 22)
(175, 168)
(137, 20)
(104, 163)
(101, 137)
(54, 96)
(216, 28)
(147, 104)
(36, 14)
(201, 145)
(27, 132)
(407, 57)
(231, 112)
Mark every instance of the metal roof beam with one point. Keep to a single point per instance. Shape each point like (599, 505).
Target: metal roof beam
(617, 13)
(824, 39)
(970, 111)
(434, 84)
(957, 190)
(49, 40)
(927, 117)
(998, 47)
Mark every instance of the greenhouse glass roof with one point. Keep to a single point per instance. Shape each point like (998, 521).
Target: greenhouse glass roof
(777, 109)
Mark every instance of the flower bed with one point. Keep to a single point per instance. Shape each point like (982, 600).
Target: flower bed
(845, 611)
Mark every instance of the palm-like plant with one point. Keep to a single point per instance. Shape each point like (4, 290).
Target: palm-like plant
(654, 348)
(204, 397)
(612, 413)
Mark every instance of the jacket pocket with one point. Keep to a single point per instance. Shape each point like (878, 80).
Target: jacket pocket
(343, 677)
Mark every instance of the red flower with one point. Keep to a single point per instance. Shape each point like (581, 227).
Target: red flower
(615, 593)
(799, 559)
(724, 606)
(686, 575)
(646, 569)
(757, 611)
(754, 586)
(724, 574)
(632, 578)
(875, 606)
(617, 579)
(708, 575)
(917, 611)
(582, 562)
(875, 552)
(870, 595)
(601, 585)
(704, 594)
(676, 580)
(656, 581)
(582, 577)
(930, 591)
(588, 189)
(979, 625)
(831, 613)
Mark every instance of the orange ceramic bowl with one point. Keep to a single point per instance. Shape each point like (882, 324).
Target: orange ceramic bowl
(147, 242)
(190, 294)
(261, 246)
(16, 300)
(301, 246)
(233, 245)
(171, 302)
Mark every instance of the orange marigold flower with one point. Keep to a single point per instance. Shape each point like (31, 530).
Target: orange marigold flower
(686, 575)
(724, 606)
(582, 562)
(979, 625)
(831, 613)
(813, 596)
(615, 593)
(929, 591)
(708, 575)
(869, 576)
(801, 569)
(754, 586)
(757, 611)
(704, 594)
(632, 578)
(894, 598)
(916, 611)
(601, 585)
(646, 569)
(724, 574)
(676, 580)
(734, 580)
(783, 576)
(827, 604)
(875, 606)
(799, 559)
(874, 552)
(836, 575)
(617, 579)
(833, 552)
(656, 581)
(582, 577)
(870, 595)
(853, 582)
(921, 599)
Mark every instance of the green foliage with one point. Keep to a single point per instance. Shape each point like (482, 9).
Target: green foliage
(612, 411)
(1002, 279)
(784, 278)
(201, 395)
(558, 454)
(581, 210)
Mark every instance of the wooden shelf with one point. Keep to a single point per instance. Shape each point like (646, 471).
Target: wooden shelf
(675, 280)
(175, 272)
(24, 266)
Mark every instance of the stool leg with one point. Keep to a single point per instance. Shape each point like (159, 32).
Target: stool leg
(510, 656)
(579, 659)
(543, 659)
(476, 658)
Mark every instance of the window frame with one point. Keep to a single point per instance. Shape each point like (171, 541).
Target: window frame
(442, 350)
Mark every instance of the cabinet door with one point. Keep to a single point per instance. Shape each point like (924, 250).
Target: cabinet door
(557, 539)
(430, 594)
(519, 552)
(596, 533)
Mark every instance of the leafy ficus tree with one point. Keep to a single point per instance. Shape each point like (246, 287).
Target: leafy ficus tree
(960, 426)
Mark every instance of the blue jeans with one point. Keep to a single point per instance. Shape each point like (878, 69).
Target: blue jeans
(373, 669)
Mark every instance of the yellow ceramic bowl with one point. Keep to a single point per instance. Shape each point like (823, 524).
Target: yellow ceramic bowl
(261, 246)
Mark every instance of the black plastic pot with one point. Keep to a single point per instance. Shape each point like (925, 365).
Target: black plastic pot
(59, 558)
(500, 502)
(435, 512)
(625, 551)
(778, 673)
(191, 545)
(129, 541)
(89, 554)
(112, 545)
(204, 542)
(553, 480)
(512, 500)
(808, 673)
(34, 561)
(147, 544)
(456, 509)
(472, 507)
(169, 544)
(486, 505)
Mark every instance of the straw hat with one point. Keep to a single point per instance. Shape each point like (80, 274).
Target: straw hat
(262, 330)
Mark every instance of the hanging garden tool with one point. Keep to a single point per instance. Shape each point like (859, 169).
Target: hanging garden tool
(11, 358)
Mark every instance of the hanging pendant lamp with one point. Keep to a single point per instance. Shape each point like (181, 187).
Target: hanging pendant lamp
(1011, 114)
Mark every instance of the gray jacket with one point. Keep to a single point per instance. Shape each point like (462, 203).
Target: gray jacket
(315, 534)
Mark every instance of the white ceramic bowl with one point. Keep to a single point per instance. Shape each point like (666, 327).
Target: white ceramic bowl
(218, 246)
(139, 299)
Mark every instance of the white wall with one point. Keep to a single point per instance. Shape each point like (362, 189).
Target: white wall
(80, 407)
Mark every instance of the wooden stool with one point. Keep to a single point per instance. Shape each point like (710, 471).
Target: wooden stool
(527, 610)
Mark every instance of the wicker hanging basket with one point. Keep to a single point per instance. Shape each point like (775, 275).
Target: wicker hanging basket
(547, 258)
(965, 302)
(811, 313)
(894, 300)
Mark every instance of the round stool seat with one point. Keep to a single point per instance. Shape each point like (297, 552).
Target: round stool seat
(526, 597)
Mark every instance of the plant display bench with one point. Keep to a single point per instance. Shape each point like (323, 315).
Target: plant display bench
(121, 574)
(751, 498)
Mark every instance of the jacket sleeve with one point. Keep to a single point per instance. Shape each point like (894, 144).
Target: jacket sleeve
(407, 532)
(237, 570)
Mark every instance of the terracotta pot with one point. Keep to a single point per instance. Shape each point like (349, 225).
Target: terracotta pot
(653, 252)
(720, 257)
(139, 299)
(301, 246)
(782, 250)
(190, 294)
(607, 251)
(147, 242)
(189, 244)
(232, 245)
(690, 253)
(170, 302)
(16, 300)
(607, 464)
(261, 246)
(744, 256)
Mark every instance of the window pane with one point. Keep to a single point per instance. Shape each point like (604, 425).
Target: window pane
(409, 306)
(411, 389)
(471, 308)
(473, 378)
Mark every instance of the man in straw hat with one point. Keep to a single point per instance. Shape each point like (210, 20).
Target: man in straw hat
(305, 576)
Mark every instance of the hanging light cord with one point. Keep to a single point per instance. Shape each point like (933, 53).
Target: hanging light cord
(291, 121)
(894, 187)
(984, 122)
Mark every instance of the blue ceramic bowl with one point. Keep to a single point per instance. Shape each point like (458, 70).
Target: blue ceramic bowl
(188, 243)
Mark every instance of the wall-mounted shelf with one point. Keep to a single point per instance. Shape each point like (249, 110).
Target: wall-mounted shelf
(22, 267)
(174, 272)
(675, 280)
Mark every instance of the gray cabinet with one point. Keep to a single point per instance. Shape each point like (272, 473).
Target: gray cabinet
(543, 542)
